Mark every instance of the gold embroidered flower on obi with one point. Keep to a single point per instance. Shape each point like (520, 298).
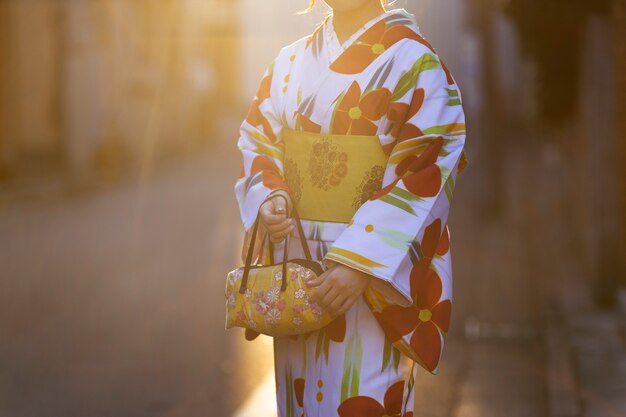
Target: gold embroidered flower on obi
(372, 183)
(294, 179)
(328, 164)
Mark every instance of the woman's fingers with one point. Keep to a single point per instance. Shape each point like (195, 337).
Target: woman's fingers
(336, 289)
(315, 282)
(273, 211)
(279, 227)
(277, 224)
(335, 305)
(328, 298)
(279, 237)
(346, 306)
(280, 231)
(273, 219)
(280, 205)
(321, 289)
(266, 212)
(330, 263)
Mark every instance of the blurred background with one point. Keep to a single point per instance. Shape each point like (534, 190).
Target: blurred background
(118, 129)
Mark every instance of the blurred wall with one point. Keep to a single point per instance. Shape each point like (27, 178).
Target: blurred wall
(592, 142)
(101, 85)
(585, 136)
(29, 88)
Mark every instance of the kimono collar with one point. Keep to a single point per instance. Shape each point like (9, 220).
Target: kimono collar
(336, 48)
(373, 38)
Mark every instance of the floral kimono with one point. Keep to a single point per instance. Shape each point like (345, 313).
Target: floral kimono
(385, 80)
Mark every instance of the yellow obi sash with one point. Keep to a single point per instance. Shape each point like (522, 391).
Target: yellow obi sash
(331, 176)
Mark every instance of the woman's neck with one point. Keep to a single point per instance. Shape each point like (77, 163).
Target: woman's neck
(346, 22)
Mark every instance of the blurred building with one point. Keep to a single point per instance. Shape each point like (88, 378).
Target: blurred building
(557, 71)
(97, 86)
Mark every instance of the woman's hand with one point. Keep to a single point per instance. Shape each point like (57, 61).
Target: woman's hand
(274, 216)
(338, 288)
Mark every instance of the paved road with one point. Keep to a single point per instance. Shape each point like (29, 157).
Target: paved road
(494, 364)
(112, 305)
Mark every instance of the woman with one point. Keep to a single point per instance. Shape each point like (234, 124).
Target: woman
(360, 125)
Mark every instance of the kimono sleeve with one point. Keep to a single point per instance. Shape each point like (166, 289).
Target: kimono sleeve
(262, 150)
(400, 235)
(399, 228)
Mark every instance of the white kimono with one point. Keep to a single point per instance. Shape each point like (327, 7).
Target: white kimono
(385, 80)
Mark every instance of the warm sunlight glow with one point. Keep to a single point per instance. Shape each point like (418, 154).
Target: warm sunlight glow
(484, 227)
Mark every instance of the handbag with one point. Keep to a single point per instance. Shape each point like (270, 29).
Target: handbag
(274, 299)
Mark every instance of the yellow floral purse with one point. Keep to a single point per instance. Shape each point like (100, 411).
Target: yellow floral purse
(274, 299)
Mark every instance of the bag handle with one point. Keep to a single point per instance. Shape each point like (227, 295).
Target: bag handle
(294, 212)
(248, 264)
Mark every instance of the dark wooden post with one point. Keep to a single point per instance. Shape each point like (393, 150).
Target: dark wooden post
(491, 118)
(619, 15)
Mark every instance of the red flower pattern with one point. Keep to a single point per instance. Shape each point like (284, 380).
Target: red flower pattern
(356, 114)
(373, 42)
(336, 329)
(399, 113)
(363, 406)
(419, 174)
(271, 176)
(255, 116)
(298, 388)
(429, 315)
(307, 124)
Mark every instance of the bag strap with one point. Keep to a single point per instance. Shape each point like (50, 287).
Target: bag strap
(248, 264)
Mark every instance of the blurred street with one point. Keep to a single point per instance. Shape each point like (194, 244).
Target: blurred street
(114, 304)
